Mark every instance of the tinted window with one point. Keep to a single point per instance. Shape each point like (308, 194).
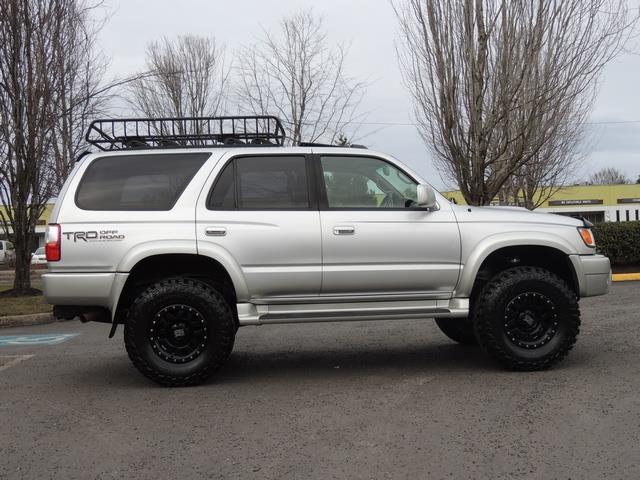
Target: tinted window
(365, 182)
(137, 182)
(271, 183)
(223, 194)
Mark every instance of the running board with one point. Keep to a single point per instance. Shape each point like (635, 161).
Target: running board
(252, 314)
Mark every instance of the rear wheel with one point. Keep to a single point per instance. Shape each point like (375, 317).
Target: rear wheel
(179, 332)
(527, 318)
(458, 329)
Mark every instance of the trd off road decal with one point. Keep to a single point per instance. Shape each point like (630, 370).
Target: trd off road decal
(95, 236)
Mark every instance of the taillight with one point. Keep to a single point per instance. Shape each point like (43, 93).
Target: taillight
(587, 236)
(52, 239)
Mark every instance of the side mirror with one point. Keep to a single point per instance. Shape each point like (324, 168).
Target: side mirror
(426, 197)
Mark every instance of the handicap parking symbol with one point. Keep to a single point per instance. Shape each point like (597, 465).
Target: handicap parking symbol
(50, 339)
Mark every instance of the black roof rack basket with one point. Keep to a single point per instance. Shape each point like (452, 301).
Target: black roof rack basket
(192, 132)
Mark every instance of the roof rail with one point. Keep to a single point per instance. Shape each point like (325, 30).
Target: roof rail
(314, 144)
(185, 132)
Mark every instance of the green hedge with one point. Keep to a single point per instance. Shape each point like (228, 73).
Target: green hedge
(620, 241)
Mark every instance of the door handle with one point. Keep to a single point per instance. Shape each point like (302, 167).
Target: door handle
(215, 231)
(344, 230)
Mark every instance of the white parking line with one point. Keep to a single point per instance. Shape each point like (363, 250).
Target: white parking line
(14, 360)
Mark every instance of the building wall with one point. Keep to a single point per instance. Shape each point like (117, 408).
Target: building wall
(40, 227)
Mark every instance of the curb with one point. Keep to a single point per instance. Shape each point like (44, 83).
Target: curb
(26, 320)
(625, 277)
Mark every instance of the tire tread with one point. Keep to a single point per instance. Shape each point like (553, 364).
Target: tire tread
(226, 332)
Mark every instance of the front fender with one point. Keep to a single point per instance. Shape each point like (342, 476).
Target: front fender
(495, 242)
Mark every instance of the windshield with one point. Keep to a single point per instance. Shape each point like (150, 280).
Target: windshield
(40, 251)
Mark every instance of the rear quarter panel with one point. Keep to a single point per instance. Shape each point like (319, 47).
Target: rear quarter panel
(109, 241)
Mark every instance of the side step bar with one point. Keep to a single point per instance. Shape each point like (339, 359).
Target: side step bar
(251, 314)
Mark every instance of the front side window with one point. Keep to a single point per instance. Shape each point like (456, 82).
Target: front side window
(137, 182)
(262, 183)
(366, 182)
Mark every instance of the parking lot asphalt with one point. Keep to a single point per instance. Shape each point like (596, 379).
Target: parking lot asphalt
(351, 400)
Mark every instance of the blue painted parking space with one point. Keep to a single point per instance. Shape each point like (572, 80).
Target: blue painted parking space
(48, 339)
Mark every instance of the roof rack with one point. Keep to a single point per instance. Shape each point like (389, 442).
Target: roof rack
(193, 132)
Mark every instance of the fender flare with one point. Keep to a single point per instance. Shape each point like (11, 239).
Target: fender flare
(167, 247)
(495, 242)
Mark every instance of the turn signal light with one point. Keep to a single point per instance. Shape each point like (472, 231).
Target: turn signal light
(587, 236)
(53, 240)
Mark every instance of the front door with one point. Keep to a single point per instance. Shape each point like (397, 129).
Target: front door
(375, 240)
(261, 212)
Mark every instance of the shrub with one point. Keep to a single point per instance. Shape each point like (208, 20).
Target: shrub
(620, 241)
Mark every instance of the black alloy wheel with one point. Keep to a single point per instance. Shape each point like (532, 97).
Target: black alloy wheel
(178, 333)
(527, 318)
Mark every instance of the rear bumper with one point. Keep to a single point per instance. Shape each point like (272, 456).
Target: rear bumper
(593, 273)
(84, 289)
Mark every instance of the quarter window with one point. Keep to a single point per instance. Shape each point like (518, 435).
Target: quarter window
(137, 182)
(223, 195)
(365, 182)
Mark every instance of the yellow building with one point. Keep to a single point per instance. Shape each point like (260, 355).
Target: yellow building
(596, 203)
(41, 226)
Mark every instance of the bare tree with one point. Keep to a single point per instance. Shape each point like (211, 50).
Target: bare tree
(500, 85)
(555, 165)
(186, 77)
(34, 39)
(297, 75)
(609, 176)
(81, 96)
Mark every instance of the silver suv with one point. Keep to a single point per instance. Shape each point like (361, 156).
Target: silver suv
(184, 230)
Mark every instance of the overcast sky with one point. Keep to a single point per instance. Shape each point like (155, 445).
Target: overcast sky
(369, 26)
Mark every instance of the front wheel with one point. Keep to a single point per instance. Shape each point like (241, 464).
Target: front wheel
(179, 331)
(527, 318)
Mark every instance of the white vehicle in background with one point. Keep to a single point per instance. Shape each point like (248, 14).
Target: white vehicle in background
(39, 258)
(7, 253)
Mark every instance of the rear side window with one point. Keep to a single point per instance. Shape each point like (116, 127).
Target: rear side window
(137, 182)
(262, 183)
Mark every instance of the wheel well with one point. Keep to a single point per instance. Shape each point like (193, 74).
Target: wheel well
(152, 269)
(549, 258)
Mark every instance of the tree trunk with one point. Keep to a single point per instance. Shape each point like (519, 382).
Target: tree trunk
(22, 279)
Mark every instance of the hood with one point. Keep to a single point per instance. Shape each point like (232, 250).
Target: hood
(466, 213)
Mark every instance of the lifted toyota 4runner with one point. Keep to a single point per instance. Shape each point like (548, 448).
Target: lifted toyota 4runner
(184, 230)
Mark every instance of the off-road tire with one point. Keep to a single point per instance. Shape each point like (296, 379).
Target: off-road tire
(189, 294)
(458, 329)
(505, 297)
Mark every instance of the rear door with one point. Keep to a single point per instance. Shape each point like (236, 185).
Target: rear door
(375, 240)
(262, 210)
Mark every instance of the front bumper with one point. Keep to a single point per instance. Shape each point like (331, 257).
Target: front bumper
(593, 273)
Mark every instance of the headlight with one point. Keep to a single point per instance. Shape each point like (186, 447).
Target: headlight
(587, 236)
